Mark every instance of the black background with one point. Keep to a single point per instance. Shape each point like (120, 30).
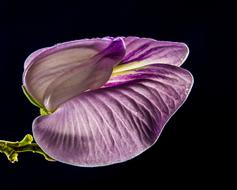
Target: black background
(190, 150)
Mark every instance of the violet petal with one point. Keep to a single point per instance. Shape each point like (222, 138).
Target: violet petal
(117, 122)
(148, 51)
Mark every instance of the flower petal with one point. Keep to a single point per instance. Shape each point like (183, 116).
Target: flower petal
(56, 74)
(145, 51)
(116, 122)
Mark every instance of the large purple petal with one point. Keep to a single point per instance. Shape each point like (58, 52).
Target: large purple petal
(116, 122)
(54, 75)
(147, 51)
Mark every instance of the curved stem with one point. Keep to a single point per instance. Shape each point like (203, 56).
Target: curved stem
(12, 149)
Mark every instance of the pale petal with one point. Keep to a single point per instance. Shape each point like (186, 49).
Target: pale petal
(116, 122)
(32, 56)
(54, 75)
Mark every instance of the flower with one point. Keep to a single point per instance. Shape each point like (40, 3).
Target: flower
(104, 100)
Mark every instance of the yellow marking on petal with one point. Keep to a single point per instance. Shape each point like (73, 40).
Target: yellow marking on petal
(129, 66)
(122, 73)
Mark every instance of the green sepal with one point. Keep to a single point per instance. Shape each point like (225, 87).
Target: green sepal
(43, 110)
(30, 98)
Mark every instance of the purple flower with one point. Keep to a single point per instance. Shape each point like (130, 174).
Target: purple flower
(104, 100)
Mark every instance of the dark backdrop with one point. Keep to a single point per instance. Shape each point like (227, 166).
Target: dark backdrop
(186, 152)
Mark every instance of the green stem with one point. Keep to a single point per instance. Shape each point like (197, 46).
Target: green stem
(12, 149)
